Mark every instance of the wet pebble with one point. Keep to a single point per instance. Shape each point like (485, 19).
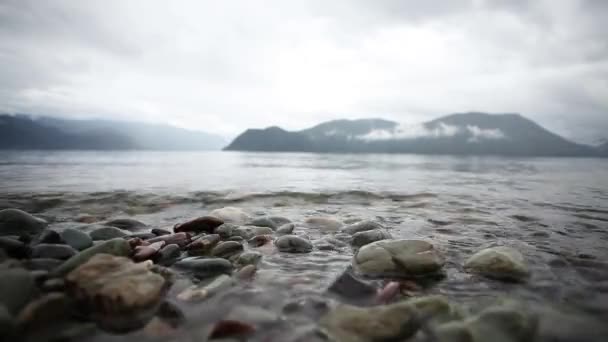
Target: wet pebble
(168, 255)
(127, 224)
(17, 287)
(293, 244)
(231, 215)
(14, 248)
(360, 227)
(18, 222)
(160, 232)
(227, 249)
(363, 238)
(48, 236)
(76, 238)
(286, 229)
(206, 224)
(53, 251)
(107, 233)
(204, 267)
(502, 263)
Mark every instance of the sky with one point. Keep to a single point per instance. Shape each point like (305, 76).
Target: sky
(225, 66)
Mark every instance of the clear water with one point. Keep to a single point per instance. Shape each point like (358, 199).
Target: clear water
(555, 211)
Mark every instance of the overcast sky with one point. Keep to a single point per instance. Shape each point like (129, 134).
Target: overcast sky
(224, 66)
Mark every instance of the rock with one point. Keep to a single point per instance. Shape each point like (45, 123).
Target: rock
(498, 323)
(116, 247)
(293, 244)
(225, 230)
(260, 240)
(231, 215)
(17, 222)
(248, 258)
(324, 224)
(143, 236)
(351, 289)
(203, 245)
(502, 263)
(14, 248)
(168, 255)
(47, 236)
(363, 238)
(330, 244)
(346, 323)
(7, 325)
(253, 315)
(204, 267)
(107, 233)
(227, 249)
(180, 239)
(53, 251)
(247, 232)
(236, 238)
(127, 224)
(45, 264)
(77, 239)
(205, 224)
(17, 288)
(120, 295)
(360, 227)
(142, 253)
(398, 258)
(286, 229)
(272, 222)
(195, 293)
(226, 329)
(160, 232)
(53, 285)
(45, 310)
(246, 273)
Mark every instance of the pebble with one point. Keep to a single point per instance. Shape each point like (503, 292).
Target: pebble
(17, 288)
(53, 251)
(45, 264)
(180, 239)
(107, 233)
(231, 215)
(160, 232)
(14, 248)
(324, 224)
(77, 239)
(204, 267)
(47, 236)
(227, 249)
(127, 224)
(117, 247)
(361, 226)
(206, 224)
(286, 229)
(168, 255)
(293, 244)
(18, 222)
(272, 222)
(502, 263)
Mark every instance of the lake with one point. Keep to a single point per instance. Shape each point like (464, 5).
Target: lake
(553, 210)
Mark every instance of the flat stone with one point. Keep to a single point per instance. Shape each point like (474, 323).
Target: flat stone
(346, 323)
(107, 233)
(17, 288)
(204, 267)
(53, 251)
(361, 239)
(18, 222)
(502, 263)
(116, 247)
(77, 239)
(120, 295)
(293, 244)
(361, 227)
(14, 248)
(248, 258)
(127, 224)
(398, 258)
(227, 249)
(286, 229)
(206, 224)
(272, 222)
(231, 215)
(324, 224)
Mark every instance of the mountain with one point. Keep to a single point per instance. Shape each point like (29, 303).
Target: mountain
(460, 134)
(29, 132)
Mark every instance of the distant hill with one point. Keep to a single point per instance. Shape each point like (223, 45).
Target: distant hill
(460, 134)
(28, 132)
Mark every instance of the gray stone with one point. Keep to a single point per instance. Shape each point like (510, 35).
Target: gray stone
(107, 233)
(324, 224)
(247, 232)
(225, 230)
(53, 251)
(286, 229)
(47, 236)
(77, 239)
(195, 293)
(253, 315)
(17, 222)
(502, 263)
(361, 239)
(272, 222)
(360, 227)
(143, 236)
(53, 285)
(231, 215)
(227, 249)
(127, 224)
(117, 247)
(160, 232)
(44, 264)
(293, 244)
(248, 258)
(204, 267)
(398, 258)
(14, 248)
(17, 288)
(168, 255)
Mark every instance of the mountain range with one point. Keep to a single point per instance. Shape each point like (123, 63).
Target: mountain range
(460, 134)
(22, 132)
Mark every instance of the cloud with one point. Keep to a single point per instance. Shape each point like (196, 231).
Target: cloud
(230, 65)
(441, 130)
